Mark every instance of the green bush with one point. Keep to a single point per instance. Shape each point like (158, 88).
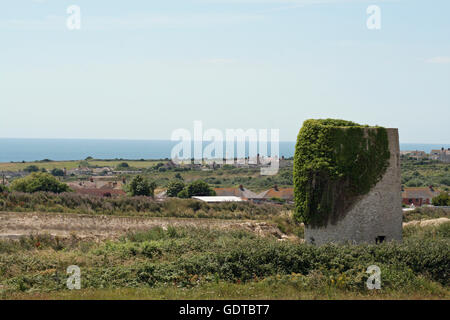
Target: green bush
(57, 172)
(199, 188)
(140, 186)
(39, 181)
(174, 187)
(189, 256)
(443, 199)
(123, 166)
(31, 168)
(195, 188)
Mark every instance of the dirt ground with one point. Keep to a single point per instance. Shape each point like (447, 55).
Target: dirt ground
(13, 225)
(424, 223)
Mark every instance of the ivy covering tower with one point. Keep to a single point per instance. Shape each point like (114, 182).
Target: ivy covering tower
(337, 163)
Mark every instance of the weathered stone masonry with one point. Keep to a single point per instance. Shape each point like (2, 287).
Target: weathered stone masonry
(376, 216)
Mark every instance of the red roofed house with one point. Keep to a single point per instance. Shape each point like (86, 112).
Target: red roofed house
(98, 188)
(240, 192)
(286, 194)
(418, 196)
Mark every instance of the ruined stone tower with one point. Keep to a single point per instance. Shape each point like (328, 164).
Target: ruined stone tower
(372, 217)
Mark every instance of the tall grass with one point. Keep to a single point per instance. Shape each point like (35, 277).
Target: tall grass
(143, 206)
(193, 257)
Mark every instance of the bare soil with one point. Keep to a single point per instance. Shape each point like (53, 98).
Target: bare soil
(14, 225)
(425, 223)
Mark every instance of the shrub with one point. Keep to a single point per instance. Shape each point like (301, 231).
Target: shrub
(199, 188)
(189, 256)
(183, 194)
(39, 181)
(415, 183)
(57, 172)
(443, 199)
(174, 187)
(31, 168)
(122, 166)
(140, 186)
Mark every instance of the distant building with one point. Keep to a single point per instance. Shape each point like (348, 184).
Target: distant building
(102, 171)
(78, 172)
(13, 174)
(240, 192)
(442, 155)
(212, 199)
(417, 154)
(121, 172)
(161, 195)
(286, 194)
(100, 192)
(418, 196)
(98, 187)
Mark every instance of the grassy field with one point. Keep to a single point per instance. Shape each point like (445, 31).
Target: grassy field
(414, 173)
(270, 289)
(192, 263)
(425, 173)
(224, 177)
(18, 166)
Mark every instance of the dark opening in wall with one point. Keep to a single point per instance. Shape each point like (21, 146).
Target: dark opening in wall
(380, 239)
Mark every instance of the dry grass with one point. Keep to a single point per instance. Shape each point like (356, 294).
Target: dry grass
(229, 291)
(18, 166)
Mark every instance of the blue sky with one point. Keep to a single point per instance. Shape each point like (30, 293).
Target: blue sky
(141, 69)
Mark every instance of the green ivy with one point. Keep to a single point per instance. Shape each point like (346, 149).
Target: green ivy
(335, 162)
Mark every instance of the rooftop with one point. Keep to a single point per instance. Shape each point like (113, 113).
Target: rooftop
(218, 199)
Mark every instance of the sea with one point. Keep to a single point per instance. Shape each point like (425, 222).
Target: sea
(17, 150)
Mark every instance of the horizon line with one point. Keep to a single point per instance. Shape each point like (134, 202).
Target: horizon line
(136, 139)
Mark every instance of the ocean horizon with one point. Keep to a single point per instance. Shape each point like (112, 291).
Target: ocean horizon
(19, 149)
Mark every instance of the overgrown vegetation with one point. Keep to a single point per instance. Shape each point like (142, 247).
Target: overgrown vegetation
(425, 173)
(192, 259)
(140, 186)
(39, 182)
(443, 199)
(335, 162)
(425, 213)
(143, 206)
(196, 188)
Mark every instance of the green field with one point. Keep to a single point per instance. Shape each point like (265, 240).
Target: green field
(18, 166)
(425, 173)
(414, 173)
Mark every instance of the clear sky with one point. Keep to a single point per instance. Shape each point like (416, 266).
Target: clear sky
(140, 69)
